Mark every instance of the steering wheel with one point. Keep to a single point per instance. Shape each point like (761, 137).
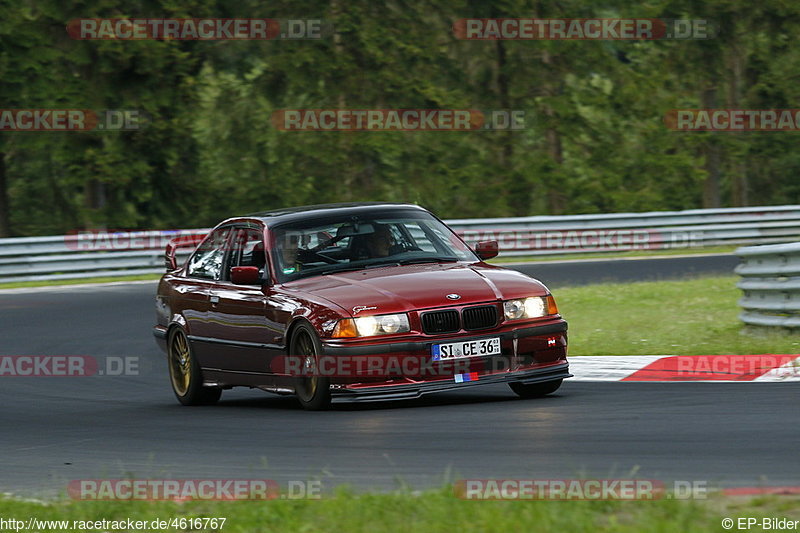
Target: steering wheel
(310, 256)
(327, 259)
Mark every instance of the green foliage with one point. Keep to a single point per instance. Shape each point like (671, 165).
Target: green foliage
(595, 139)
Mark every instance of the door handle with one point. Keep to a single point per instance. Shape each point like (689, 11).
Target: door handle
(214, 300)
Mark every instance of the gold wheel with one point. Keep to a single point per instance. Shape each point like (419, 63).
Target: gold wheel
(308, 386)
(312, 389)
(180, 363)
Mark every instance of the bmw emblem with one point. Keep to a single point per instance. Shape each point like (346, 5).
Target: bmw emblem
(454, 296)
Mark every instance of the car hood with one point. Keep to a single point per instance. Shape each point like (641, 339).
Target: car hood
(403, 288)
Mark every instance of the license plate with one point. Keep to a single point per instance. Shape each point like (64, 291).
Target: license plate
(458, 350)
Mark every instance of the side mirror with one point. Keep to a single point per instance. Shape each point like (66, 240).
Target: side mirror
(487, 249)
(190, 240)
(245, 275)
(170, 263)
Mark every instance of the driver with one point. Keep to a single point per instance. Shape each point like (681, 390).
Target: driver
(379, 243)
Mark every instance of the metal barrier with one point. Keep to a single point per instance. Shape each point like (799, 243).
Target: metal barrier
(94, 254)
(770, 284)
(658, 230)
(87, 254)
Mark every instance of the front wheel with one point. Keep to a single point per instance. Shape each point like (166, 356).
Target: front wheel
(185, 374)
(535, 390)
(313, 391)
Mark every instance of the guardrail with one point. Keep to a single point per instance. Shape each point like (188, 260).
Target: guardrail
(770, 284)
(658, 230)
(97, 253)
(87, 254)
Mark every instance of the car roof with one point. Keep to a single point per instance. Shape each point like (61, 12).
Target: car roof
(303, 212)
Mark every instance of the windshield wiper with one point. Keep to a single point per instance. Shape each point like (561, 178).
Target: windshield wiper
(343, 269)
(359, 267)
(412, 261)
(428, 260)
(381, 265)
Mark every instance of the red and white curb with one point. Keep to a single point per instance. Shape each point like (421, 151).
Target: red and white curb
(764, 367)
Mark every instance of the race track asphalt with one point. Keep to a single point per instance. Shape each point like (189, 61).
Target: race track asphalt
(59, 429)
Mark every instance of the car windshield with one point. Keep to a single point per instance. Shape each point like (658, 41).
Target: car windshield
(321, 246)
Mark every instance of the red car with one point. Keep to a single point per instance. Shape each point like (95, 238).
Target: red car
(352, 302)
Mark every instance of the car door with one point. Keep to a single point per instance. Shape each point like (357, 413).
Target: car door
(203, 271)
(238, 317)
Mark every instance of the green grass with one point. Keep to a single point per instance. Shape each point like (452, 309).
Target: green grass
(430, 511)
(634, 254)
(691, 317)
(80, 281)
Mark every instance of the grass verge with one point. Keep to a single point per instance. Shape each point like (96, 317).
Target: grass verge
(429, 511)
(687, 317)
(80, 281)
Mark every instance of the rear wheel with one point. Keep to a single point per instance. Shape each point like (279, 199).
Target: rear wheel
(313, 391)
(535, 390)
(185, 374)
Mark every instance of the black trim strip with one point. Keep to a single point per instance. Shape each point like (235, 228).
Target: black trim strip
(247, 372)
(160, 332)
(241, 344)
(375, 349)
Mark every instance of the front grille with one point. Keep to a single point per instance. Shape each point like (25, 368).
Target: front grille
(440, 321)
(480, 317)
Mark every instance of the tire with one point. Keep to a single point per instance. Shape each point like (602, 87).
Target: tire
(535, 390)
(184, 372)
(313, 392)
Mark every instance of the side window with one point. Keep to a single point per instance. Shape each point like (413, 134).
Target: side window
(207, 261)
(248, 249)
(287, 250)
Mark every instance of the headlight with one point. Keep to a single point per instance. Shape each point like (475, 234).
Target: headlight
(369, 326)
(534, 307)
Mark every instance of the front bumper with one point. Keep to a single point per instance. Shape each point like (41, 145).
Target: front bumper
(530, 354)
(409, 391)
